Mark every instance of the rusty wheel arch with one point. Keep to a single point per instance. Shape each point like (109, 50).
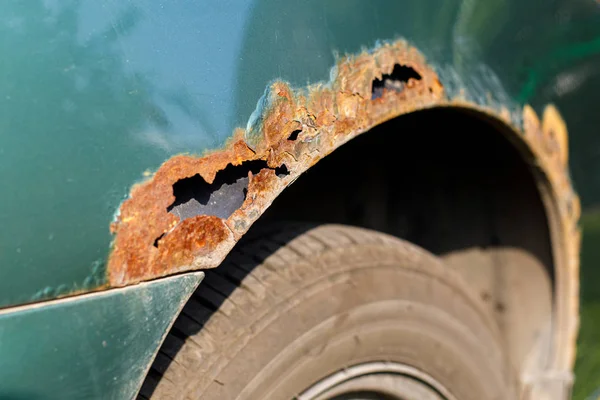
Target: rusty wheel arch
(156, 234)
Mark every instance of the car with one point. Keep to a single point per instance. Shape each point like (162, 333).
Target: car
(298, 200)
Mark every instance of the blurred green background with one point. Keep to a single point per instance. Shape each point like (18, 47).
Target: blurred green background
(587, 378)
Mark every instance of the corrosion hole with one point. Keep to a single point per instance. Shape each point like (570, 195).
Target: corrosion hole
(282, 171)
(294, 135)
(158, 240)
(194, 196)
(395, 81)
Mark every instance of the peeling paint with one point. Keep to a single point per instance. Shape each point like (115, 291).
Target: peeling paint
(292, 129)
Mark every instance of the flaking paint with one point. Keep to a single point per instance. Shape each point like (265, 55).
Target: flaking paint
(327, 115)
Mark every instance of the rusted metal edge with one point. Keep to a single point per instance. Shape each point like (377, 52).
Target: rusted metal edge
(292, 129)
(548, 140)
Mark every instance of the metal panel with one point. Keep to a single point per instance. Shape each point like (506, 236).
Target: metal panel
(95, 94)
(95, 346)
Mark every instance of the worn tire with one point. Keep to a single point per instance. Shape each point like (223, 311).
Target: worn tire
(284, 311)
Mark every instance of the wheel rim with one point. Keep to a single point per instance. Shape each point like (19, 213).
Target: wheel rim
(377, 380)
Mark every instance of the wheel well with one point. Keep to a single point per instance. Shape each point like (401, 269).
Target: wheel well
(451, 181)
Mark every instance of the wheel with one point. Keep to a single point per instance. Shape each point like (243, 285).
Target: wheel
(331, 312)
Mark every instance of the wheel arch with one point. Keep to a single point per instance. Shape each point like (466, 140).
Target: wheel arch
(464, 185)
(158, 233)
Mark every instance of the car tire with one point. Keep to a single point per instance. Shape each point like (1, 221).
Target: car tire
(331, 311)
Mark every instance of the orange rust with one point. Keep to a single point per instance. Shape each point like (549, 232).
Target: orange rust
(193, 237)
(325, 116)
(144, 215)
(556, 131)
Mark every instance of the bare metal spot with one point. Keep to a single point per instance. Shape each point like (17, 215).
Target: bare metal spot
(194, 196)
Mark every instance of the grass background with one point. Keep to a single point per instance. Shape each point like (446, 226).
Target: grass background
(587, 366)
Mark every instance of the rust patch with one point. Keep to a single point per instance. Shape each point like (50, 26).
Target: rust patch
(292, 129)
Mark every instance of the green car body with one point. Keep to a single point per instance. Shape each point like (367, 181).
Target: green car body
(96, 95)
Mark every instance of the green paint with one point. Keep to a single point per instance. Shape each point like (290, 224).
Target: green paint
(546, 68)
(96, 346)
(94, 93)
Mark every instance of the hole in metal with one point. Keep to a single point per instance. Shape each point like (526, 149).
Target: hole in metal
(294, 135)
(395, 81)
(194, 196)
(158, 240)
